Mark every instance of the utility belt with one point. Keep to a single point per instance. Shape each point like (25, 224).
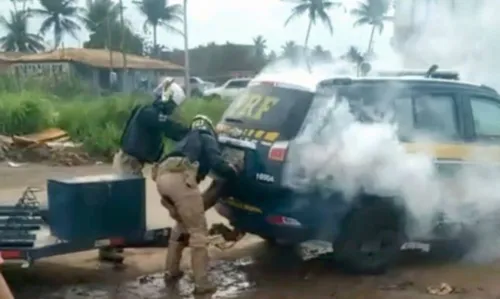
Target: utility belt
(174, 164)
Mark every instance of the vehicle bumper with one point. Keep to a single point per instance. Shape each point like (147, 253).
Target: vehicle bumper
(258, 223)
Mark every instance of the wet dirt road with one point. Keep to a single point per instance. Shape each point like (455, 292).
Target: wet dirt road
(249, 270)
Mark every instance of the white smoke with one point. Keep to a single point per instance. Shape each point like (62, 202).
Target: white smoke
(353, 157)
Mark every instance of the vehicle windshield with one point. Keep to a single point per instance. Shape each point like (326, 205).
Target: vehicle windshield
(269, 107)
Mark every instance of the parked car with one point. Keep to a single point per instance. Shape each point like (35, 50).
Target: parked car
(367, 234)
(198, 86)
(228, 90)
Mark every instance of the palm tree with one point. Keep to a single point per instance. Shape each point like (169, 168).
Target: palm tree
(23, 2)
(316, 9)
(159, 13)
(259, 43)
(97, 14)
(373, 13)
(60, 16)
(102, 16)
(318, 50)
(290, 49)
(18, 39)
(354, 56)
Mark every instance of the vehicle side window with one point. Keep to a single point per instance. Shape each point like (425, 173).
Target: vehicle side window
(486, 115)
(237, 84)
(193, 80)
(403, 116)
(435, 115)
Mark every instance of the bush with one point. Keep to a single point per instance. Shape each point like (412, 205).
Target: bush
(95, 121)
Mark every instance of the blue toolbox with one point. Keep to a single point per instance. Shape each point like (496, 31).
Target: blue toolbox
(93, 207)
(83, 213)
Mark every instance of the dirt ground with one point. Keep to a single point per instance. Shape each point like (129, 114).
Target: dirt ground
(248, 270)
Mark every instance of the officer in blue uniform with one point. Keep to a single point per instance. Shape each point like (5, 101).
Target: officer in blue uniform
(142, 139)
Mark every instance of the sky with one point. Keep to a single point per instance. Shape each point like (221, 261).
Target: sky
(239, 21)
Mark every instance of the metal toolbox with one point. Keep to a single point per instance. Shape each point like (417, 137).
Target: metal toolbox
(94, 207)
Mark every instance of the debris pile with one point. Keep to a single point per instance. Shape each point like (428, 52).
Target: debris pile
(51, 145)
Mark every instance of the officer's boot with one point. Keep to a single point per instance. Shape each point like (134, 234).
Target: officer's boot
(199, 263)
(173, 261)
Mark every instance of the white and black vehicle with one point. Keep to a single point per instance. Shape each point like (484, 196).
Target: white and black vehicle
(229, 90)
(198, 86)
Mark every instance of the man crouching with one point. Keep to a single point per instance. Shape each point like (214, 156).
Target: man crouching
(177, 178)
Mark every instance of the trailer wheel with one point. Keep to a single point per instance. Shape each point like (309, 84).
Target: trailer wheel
(371, 240)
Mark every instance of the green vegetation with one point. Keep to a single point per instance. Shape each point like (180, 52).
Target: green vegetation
(95, 121)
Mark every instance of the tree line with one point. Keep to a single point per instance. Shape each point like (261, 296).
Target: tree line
(107, 27)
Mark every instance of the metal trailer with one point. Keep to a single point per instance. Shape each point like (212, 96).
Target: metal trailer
(25, 234)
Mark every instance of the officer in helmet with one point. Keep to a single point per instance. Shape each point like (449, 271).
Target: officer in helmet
(142, 139)
(177, 179)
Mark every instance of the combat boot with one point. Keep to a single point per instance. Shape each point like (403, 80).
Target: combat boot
(173, 261)
(199, 263)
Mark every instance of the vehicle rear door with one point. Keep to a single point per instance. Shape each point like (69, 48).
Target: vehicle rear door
(258, 125)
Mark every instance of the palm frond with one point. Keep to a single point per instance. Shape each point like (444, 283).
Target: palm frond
(297, 11)
(326, 20)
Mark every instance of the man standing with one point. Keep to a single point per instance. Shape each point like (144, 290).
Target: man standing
(142, 139)
(177, 179)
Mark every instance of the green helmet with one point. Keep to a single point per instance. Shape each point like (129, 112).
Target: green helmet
(203, 123)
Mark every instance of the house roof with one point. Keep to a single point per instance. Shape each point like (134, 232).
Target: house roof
(8, 56)
(97, 58)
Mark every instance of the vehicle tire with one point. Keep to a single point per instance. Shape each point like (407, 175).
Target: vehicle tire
(378, 225)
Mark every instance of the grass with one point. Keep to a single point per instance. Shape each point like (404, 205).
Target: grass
(97, 122)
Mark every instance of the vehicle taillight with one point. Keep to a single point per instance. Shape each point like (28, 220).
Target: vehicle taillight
(277, 152)
(283, 221)
(10, 254)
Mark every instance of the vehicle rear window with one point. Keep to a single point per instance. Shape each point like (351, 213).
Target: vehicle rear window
(270, 108)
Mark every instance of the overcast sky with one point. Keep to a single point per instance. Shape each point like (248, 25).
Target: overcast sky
(239, 21)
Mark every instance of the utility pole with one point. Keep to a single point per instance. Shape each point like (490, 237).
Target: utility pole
(124, 55)
(186, 53)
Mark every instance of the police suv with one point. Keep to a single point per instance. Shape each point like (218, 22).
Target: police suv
(367, 234)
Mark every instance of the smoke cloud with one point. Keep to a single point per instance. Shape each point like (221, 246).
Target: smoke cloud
(337, 150)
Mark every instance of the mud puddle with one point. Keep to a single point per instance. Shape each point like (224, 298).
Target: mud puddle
(230, 277)
(281, 274)
(235, 278)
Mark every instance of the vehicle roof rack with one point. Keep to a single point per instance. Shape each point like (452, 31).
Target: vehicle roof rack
(432, 72)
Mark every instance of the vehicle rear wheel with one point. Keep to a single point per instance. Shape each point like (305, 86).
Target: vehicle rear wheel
(371, 239)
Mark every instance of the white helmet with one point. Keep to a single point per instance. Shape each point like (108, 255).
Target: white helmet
(169, 90)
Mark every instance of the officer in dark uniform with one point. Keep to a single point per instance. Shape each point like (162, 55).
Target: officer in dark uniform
(142, 139)
(177, 179)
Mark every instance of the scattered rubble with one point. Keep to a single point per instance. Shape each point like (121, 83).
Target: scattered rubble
(441, 290)
(48, 146)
